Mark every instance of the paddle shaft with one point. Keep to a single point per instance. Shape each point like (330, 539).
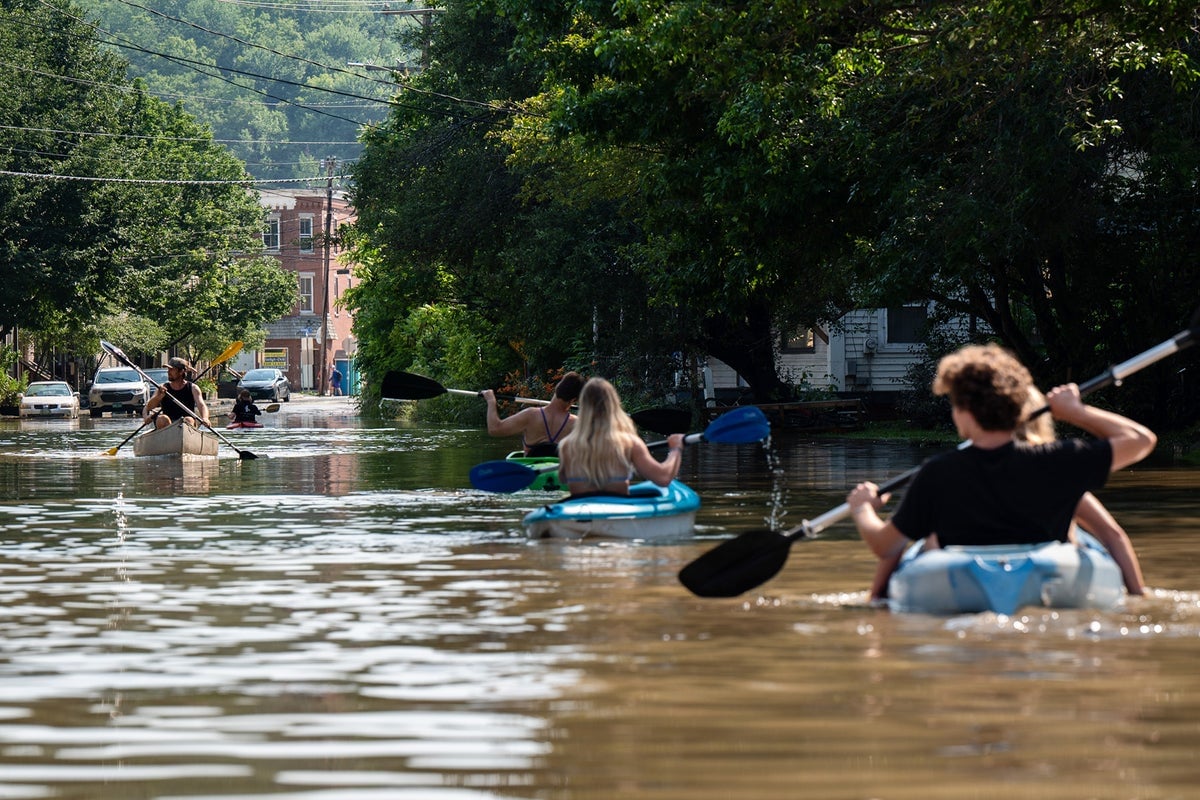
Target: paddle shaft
(1110, 377)
(119, 354)
(112, 451)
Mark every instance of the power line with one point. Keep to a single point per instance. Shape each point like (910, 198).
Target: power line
(170, 182)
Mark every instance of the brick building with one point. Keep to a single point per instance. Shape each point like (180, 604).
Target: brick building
(295, 233)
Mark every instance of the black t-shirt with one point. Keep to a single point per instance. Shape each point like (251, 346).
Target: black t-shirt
(1015, 494)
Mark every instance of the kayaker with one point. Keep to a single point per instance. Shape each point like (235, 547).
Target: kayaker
(542, 427)
(999, 490)
(244, 411)
(604, 452)
(180, 387)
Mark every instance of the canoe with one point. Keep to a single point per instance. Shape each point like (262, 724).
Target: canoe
(648, 512)
(546, 481)
(1006, 578)
(177, 439)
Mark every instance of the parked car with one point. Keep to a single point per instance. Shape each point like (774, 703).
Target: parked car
(49, 399)
(267, 384)
(117, 389)
(156, 374)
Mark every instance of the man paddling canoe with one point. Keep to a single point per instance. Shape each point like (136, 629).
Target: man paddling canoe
(186, 393)
(997, 490)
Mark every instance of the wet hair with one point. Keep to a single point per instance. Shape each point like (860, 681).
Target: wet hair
(569, 386)
(987, 381)
(597, 448)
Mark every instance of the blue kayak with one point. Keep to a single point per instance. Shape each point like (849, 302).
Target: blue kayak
(648, 512)
(1005, 578)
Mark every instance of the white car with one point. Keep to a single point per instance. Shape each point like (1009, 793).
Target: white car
(49, 399)
(117, 389)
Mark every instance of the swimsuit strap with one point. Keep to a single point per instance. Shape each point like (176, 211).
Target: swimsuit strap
(553, 438)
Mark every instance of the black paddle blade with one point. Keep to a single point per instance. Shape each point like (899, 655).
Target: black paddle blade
(738, 565)
(663, 420)
(246, 455)
(408, 386)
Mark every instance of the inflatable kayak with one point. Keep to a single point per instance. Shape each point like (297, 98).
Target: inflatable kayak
(1005, 578)
(647, 512)
(547, 479)
(236, 425)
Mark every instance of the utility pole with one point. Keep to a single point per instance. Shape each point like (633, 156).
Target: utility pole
(322, 378)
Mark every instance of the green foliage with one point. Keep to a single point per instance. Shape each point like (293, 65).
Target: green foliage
(270, 112)
(10, 387)
(159, 237)
(633, 180)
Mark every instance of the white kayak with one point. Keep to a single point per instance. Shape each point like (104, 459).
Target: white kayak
(1006, 578)
(648, 512)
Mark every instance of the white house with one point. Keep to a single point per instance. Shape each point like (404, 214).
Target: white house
(869, 351)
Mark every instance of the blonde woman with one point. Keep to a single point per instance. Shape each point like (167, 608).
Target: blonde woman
(603, 452)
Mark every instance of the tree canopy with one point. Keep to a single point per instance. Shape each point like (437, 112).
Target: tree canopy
(115, 203)
(620, 182)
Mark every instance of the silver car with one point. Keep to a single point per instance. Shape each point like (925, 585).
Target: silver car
(119, 390)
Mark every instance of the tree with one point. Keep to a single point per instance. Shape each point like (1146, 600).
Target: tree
(119, 202)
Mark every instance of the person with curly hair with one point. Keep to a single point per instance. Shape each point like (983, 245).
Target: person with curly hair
(997, 489)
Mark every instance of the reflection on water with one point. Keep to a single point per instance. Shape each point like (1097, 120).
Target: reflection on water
(344, 617)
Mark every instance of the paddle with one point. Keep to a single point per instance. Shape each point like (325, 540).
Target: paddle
(119, 355)
(739, 426)
(410, 386)
(112, 451)
(753, 558)
(226, 354)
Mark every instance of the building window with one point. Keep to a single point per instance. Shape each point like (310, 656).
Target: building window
(306, 292)
(271, 233)
(906, 324)
(306, 234)
(801, 340)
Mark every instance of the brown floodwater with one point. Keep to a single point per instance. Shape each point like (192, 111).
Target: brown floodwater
(345, 618)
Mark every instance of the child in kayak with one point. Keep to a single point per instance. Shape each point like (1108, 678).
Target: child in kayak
(244, 412)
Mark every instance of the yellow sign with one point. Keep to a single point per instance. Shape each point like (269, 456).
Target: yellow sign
(275, 357)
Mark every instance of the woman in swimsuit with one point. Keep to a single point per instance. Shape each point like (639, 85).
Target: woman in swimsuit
(540, 428)
(604, 452)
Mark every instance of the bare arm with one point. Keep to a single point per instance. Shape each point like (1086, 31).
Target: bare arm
(201, 406)
(650, 468)
(884, 538)
(1131, 441)
(153, 403)
(509, 426)
(1093, 517)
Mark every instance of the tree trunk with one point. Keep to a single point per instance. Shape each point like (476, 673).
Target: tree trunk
(748, 345)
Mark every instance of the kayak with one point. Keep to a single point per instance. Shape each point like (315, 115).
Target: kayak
(547, 479)
(649, 511)
(177, 439)
(237, 425)
(1005, 578)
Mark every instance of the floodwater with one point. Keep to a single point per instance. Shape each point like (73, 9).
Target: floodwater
(344, 618)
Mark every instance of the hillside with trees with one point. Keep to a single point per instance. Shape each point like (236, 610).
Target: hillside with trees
(272, 80)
